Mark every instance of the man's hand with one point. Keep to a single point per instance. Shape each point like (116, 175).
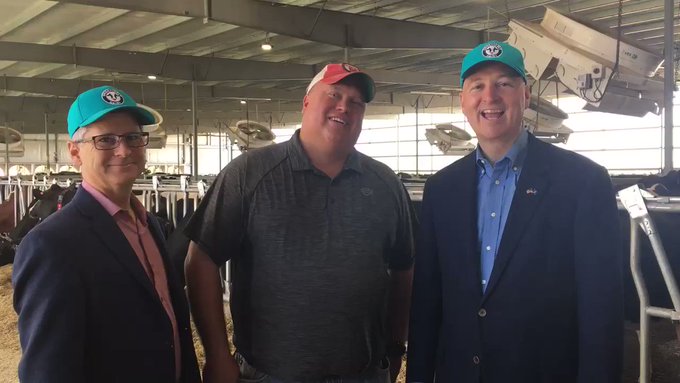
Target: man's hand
(205, 298)
(221, 371)
(395, 367)
(398, 315)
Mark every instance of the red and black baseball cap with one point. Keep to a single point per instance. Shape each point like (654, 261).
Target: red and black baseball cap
(334, 73)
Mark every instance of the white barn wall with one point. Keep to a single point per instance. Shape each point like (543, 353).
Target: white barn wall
(622, 144)
(35, 153)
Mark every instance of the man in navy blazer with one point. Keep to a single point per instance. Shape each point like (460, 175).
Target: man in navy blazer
(517, 273)
(96, 296)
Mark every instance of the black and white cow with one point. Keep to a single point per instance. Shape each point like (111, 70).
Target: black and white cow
(44, 203)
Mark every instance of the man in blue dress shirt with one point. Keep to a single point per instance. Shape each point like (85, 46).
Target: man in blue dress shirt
(517, 274)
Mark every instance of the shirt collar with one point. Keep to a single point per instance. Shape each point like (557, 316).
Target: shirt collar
(515, 155)
(111, 206)
(300, 160)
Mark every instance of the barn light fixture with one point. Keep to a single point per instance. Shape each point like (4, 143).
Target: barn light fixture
(267, 45)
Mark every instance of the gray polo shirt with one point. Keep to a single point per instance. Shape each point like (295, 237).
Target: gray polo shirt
(310, 258)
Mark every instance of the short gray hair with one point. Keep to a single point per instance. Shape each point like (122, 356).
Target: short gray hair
(79, 134)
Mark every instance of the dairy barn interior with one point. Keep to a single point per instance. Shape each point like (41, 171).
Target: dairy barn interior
(228, 76)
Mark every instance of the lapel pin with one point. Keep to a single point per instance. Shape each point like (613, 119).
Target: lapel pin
(532, 191)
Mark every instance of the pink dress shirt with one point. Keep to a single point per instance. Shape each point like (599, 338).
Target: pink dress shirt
(142, 242)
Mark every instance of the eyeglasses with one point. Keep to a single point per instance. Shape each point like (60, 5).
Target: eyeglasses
(112, 141)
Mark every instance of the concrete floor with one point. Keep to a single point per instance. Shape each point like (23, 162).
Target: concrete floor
(665, 352)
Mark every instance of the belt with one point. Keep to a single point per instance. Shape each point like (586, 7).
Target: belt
(253, 375)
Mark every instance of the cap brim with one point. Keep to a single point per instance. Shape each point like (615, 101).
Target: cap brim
(473, 68)
(469, 71)
(368, 83)
(144, 117)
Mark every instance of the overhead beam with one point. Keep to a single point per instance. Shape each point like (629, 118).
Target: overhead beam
(61, 105)
(28, 113)
(34, 123)
(155, 91)
(190, 67)
(324, 26)
(162, 64)
(413, 78)
(54, 105)
(141, 91)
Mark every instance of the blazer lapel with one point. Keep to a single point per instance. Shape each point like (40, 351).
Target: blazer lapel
(533, 184)
(456, 213)
(468, 209)
(110, 235)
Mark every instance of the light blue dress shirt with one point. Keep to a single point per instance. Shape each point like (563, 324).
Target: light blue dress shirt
(495, 189)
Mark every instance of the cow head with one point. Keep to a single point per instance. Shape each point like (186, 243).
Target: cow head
(43, 205)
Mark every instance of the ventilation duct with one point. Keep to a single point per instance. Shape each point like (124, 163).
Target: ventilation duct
(11, 141)
(584, 59)
(250, 135)
(157, 136)
(544, 120)
(450, 140)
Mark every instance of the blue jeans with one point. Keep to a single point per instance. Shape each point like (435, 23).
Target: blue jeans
(250, 374)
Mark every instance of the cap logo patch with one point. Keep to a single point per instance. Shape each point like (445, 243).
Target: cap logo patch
(349, 68)
(492, 50)
(112, 97)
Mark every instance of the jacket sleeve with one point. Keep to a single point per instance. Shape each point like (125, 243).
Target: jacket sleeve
(50, 301)
(426, 308)
(599, 284)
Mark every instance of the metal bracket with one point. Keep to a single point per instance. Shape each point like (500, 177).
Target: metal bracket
(183, 183)
(207, 11)
(75, 56)
(634, 202)
(201, 188)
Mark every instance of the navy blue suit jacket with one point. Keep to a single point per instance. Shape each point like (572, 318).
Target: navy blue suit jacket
(87, 309)
(552, 312)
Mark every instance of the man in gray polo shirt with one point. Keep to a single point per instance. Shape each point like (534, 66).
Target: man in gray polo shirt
(320, 238)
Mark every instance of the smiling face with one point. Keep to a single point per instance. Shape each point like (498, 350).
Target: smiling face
(332, 116)
(493, 100)
(109, 170)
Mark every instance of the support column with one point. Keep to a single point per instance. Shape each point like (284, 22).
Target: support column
(668, 86)
(194, 123)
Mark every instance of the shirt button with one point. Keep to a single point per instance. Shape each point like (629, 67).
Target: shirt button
(514, 168)
(481, 313)
(497, 182)
(493, 215)
(475, 359)
(488, 248)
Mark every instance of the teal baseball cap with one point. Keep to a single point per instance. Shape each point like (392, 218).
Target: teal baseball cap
(92, 105)
(491, 51)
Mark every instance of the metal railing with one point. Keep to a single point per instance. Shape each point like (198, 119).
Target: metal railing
(638, 208)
